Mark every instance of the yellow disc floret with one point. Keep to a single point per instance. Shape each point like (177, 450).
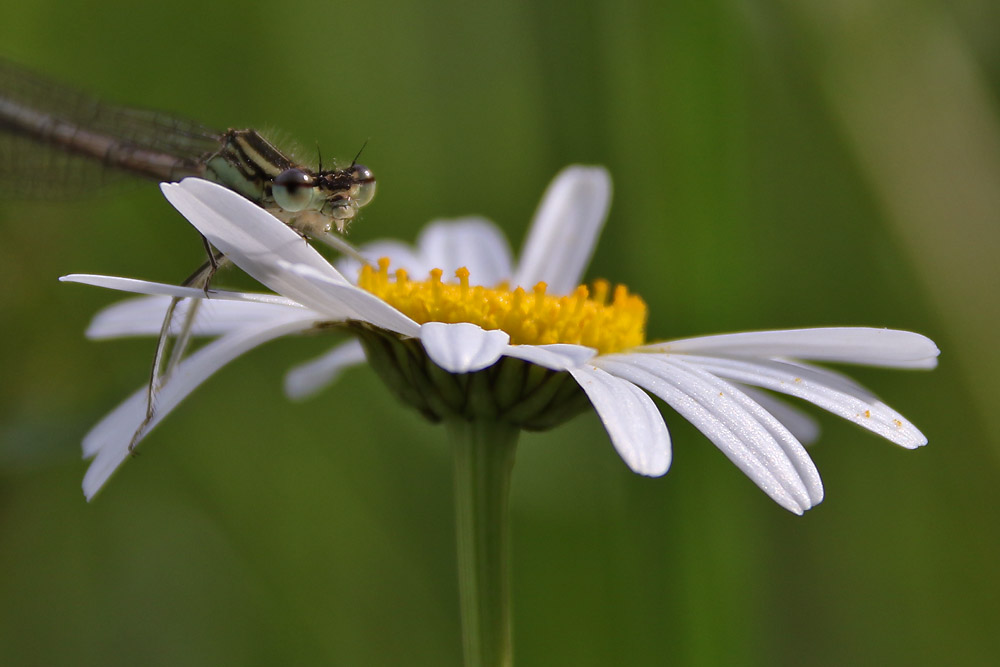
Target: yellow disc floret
(585, 317)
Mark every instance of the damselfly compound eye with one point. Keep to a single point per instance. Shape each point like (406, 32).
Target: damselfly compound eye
(292, 189)
(363, 188)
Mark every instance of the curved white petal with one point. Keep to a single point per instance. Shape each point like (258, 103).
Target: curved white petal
(108, 442)
(143, 316)
(136, 286)
(462, 347)
(633, 423)
(721, 413)
(354, 302)
(802, 425)
(255, 241)
(565, 230)
(132, 285)
(556, 357)
(740, 407)
(855, 345)
(822, 388)
(309, 378)
(474, 243)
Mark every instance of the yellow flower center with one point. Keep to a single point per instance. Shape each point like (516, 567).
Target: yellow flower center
(585, 317)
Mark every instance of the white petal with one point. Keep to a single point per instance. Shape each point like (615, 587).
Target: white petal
(354, 302)
(462, 347)
(636, 427)
(565, 230)
(163, 289)
(820, 387)
(802, 425)
(134, 286)
(255, 241)
(109, 440)
(309, 378)
(143, 316)
(735, 401)
(474, 243)
(557, 357)
(400, 255)
(720, 412)
(855, 345)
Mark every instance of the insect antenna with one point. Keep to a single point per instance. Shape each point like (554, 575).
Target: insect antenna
(355, 160)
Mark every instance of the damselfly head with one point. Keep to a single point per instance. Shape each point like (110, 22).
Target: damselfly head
(346, 190)
(335, 195)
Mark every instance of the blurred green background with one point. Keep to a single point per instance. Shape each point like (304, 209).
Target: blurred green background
(776, 164)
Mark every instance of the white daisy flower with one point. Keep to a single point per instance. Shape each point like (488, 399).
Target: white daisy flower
(509, 343)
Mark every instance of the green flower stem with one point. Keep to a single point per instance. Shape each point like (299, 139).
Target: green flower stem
(484, 459)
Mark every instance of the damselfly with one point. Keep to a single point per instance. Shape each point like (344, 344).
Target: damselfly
(49, 129)
(38, 116)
